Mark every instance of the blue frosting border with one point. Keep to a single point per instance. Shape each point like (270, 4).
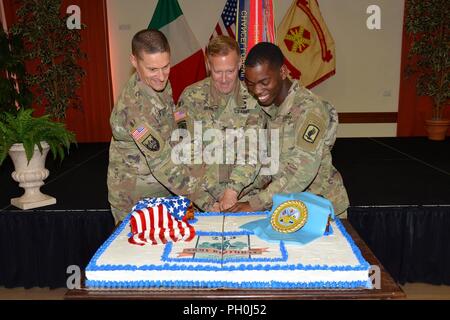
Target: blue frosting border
(229, 284)
(92, 266)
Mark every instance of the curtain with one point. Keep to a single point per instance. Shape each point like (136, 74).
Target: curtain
(412, 243)
(37, 247)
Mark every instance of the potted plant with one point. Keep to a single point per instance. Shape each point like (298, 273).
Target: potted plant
(427, 26)
(27, 140)
(53, 52)
(21, 127)
(14, 92)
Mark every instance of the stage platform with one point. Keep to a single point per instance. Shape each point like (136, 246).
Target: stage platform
(399, 190)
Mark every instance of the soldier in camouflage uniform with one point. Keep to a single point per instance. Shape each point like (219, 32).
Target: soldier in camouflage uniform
(222, 102)
(142, 123)
(307, 128)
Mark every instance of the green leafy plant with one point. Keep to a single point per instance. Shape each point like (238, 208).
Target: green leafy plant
(14, 93)
(428, 28)
(55, 50)
(22, 127)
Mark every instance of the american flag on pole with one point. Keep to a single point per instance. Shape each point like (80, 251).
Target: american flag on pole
(227, 22)
(155, 225)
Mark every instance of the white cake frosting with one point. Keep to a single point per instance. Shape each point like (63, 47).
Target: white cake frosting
(222, 255)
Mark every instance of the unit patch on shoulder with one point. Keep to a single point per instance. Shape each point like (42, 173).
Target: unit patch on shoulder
(311, 132)
(182, 125)
(151, 143)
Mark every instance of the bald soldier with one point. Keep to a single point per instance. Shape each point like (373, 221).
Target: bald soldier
(222, 102)
(142, 123)
(307, 128)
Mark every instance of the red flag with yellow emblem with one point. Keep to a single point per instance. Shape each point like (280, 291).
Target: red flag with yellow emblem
(307, 44)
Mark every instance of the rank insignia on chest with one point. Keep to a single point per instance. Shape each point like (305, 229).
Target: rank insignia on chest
(210, 108)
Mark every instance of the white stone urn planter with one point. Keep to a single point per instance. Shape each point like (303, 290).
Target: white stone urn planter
(30, 176)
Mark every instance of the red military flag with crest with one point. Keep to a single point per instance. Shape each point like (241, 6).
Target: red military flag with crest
(306, 43)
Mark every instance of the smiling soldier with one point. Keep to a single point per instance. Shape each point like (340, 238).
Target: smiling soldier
(142, 123)
(307, 126)
(222, 103)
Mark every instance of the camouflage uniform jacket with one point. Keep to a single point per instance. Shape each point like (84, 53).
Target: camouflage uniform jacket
(307, 128)
(142, 123)
(237, 111)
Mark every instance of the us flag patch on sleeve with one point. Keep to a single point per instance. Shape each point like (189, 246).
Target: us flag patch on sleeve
(179, 115)
(139, 132)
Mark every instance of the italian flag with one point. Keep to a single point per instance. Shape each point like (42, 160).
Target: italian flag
(187, 60)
